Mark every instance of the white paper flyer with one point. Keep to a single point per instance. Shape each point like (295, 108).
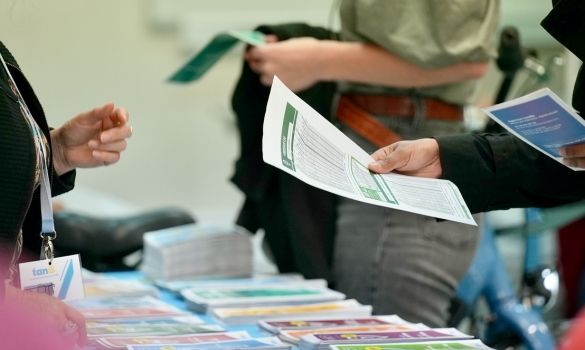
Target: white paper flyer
(302, 143)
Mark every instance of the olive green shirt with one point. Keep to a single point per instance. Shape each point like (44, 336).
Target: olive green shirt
(428, 33)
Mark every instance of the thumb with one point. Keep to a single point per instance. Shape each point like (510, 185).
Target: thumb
(386, 159)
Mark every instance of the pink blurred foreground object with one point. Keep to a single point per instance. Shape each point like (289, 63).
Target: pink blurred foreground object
(23, 329)
(574, 339)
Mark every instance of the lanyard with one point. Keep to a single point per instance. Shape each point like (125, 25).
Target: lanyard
(48, 233)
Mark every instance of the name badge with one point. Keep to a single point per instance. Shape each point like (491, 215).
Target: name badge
(61, 278)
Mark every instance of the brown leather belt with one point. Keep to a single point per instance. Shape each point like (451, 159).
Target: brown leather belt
(357, 111)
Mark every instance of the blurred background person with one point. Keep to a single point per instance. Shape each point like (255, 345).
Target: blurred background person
(396, 79)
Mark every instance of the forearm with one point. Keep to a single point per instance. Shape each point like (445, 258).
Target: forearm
(369, 64)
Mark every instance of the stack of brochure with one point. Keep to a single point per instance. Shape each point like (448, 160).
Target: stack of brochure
(177, 286)
(197, 250)
(155, 327)
(111, 287)
(125, 308)
(242, 315)
(322, 341)
(275, 326)
(192, 338)
(379, 332)
(474, 344)
(114, 323)
(303, 292)
(385, 324)
(255, 344)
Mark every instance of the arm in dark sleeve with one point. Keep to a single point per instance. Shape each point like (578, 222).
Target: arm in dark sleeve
(500, 172)
(63, 183)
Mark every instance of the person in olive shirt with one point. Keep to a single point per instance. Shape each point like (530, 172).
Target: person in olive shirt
(406, 51)
(499, 171)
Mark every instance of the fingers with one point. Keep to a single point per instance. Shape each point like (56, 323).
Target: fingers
(119, 116)
(120, 132)
(106, 158)
(96, 115)
(257, 66)
(260, 67)
(573, 151)
(116, 146)
(574, 155)
(270, 38)
(266, 79)
(575, 162)
(78, 320)
(386, 159)
(256, 59)
(112, 140)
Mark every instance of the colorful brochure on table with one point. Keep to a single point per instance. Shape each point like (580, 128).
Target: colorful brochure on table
(542, 120)
(322, 341)
(122, 342)
(125, 307)
(128, 329)
(187, 319)
(275, 326)
(199, 64)
(301, 142)
(348, 308)
(176, 286)
(202, 299)
(258, 344)
(294, 335)
(104, 287)
(434, 345)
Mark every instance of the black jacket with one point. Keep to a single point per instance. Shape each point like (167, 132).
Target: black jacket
(19, 201)
(298, 219)
(500, 171)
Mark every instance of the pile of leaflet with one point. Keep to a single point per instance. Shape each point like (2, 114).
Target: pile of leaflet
(197, 250)
(278, 312)
(99, 285)
(247, 300)
(204, 299)
(148, 323)
(366, 333)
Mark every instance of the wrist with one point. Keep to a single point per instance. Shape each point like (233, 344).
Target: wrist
(60, 163)
(326, 58)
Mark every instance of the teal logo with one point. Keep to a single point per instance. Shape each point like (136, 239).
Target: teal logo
(43, 271)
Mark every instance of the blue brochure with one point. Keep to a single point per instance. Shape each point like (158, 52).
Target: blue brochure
(542, 120)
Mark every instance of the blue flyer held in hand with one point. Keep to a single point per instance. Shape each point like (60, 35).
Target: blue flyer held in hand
(542, 120)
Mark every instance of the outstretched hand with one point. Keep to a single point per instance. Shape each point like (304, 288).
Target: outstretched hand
(91, 139)
(416, 158)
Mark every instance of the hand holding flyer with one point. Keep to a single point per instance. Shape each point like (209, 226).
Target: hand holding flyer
(302, 143)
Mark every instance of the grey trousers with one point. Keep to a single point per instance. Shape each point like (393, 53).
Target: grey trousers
(398, 262)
